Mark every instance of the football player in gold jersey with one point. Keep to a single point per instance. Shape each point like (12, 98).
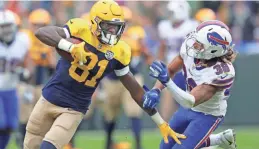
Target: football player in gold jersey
(133, 36)
(67, 96)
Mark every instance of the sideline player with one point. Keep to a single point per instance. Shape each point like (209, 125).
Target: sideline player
(172, 33)
(67, 95)
(13, 50)
(133, 36)
(206, 57)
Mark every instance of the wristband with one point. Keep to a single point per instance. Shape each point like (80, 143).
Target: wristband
(65, 45)
(157, 119)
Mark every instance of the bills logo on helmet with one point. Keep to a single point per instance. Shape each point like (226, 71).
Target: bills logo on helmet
(215, 39)
(109, 55)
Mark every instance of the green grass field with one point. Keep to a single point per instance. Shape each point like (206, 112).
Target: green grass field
(247, 138)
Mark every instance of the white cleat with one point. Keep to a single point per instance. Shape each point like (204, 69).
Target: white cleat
(228, 139)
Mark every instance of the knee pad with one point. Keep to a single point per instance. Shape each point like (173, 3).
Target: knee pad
(47, 145)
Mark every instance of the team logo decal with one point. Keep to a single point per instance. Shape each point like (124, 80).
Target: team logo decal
(216, 40)
(109, 55)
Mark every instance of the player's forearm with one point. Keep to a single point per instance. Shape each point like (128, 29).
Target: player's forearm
(152, 112)
(136, 91)
(159, 85)
(50, 35)
(183, 98)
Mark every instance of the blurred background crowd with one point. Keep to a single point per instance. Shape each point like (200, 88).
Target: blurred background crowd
(241, 16)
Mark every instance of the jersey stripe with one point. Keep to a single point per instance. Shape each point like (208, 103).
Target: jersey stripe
(221, 82)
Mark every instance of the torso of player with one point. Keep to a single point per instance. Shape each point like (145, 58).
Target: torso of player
(10, 57)
(174, 36)
(39, 52)
(216, 73)
(73, 85)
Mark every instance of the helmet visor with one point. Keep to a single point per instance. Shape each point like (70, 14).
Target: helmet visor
(113, 28)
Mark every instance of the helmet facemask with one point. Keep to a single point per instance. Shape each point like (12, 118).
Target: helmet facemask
(109, 32)
(7, 32)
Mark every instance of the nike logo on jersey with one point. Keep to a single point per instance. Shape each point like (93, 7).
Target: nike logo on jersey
(223, 77)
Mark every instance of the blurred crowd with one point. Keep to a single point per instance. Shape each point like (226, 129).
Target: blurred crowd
(241, 16)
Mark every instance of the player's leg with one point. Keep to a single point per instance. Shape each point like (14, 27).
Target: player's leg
(134, 112)
(178, 123)
(39, 123)
(66, 123)
(26, 103)
(4, 133)
(199, 130)
(225, 139)
(10, 101)
(111, 107)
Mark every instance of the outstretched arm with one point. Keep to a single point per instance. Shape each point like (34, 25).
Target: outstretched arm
(137, 93)
(198, 95)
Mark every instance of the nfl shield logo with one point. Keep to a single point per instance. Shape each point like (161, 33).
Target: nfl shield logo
(109, 55)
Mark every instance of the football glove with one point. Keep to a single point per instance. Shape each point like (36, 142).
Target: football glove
(166, 132)
(151, 97)
(78, 53)
(159, 71)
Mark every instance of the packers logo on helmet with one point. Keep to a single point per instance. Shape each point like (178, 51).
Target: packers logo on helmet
(107, 21)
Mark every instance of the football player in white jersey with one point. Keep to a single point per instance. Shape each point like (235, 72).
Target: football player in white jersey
(206, 57)
(13, 48)
(172, 33)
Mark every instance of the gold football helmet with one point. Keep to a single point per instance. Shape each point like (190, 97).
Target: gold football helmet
(205, 14)
(107, 21)
(40, 16)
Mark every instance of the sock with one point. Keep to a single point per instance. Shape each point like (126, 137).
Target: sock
(109, 128)
(215, 139)
(47, 145)
(4, 139)
(136, 129)
(206, 143)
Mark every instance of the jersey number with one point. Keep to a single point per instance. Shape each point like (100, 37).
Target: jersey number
(85, 68)
(221, 68)
(8, 65)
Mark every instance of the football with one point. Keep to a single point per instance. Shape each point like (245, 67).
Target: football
(65, 54)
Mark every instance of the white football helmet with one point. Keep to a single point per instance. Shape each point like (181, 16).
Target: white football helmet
(8, 25)
(179, 10)
(210, 39)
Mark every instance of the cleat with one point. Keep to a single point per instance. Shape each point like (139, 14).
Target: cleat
(228, 139)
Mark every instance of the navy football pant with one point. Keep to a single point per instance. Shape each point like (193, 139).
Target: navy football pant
(195, 125)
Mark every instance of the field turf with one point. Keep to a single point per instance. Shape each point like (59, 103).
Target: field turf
(247, 138)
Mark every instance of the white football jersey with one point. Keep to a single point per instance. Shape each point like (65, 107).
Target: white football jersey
(174, 36)
(10, 57)
(217, 73)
